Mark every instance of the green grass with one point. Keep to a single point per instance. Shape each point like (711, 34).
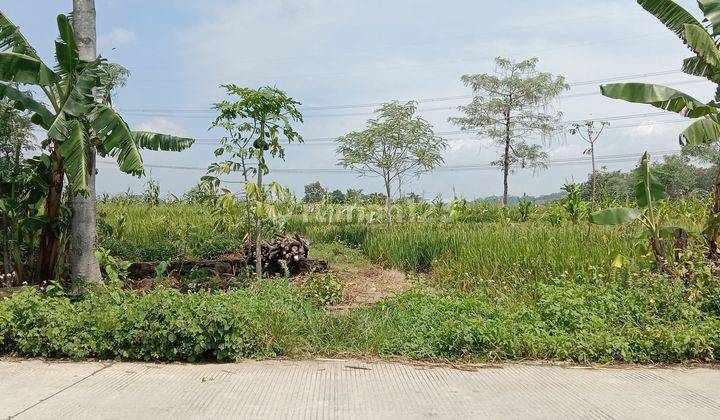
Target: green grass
(645, 319)
(497, 289)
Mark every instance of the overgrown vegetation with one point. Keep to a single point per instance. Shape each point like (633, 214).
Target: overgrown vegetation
(596, 274)
(641, 317)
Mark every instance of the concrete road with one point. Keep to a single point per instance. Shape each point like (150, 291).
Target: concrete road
(350, 389)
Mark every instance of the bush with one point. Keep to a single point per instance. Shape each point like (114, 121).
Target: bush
(266, 321)
(642, 318)
(158, 251)
(323, 289)
(214, 248)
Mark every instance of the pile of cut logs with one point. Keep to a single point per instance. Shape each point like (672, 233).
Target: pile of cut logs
(284, 252)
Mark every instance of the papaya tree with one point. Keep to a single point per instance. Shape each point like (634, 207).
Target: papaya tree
(702, 39)
(78, 123)
(255, 123)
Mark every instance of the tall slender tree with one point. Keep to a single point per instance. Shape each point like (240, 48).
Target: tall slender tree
(590, 131)
(510, 107)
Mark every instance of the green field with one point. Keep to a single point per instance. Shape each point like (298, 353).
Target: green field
(486, 287)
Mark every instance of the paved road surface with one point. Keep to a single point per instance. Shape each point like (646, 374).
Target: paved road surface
(350, 389)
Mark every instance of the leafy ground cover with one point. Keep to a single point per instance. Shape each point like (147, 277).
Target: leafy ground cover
(454, 289)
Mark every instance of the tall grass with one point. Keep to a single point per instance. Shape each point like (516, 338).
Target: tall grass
(459, 252)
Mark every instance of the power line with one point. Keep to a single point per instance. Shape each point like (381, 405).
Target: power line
(331, 140)
(421, 100)
(619, 158)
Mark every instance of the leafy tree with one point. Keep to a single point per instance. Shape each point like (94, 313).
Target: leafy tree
(15, 139)
(258, 117)
(705, 153)
(337, 197)
(78, 126)
(509, 107)
(679, 177)
(705, 62)
(590, 131)
(609, 186)
(314, 193)
(396, 144)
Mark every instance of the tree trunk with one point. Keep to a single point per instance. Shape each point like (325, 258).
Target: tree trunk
(388, 200)
(258, 222)
(49, 241)
(506, 157)
(713, 233)
(258, 228)
(7, 265)
(506, 170)
(592, 154)
(83, 226)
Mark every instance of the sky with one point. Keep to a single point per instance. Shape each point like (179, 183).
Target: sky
(340, 58)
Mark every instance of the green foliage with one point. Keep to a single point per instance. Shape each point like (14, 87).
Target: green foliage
(213, 248)
(269, 320)
(131, 251)
(323, 289)
(650, 195)
(114, 268)
(314, 193)
(573, 203)
(508, 107)
(642, 318)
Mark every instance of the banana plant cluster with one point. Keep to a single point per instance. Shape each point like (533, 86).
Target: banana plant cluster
(702, 38)
(649, 193)
(77, 117)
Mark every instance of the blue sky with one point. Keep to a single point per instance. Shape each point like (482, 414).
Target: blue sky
(327, 53)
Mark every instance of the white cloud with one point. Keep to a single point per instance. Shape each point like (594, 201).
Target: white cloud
(117, 37)
(162, 125)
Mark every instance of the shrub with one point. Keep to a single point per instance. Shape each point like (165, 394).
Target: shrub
(642, 318)
(158, 251)
(266, 321)
(323, 289)
(214, 248)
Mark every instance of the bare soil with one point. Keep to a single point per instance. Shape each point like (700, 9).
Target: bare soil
(367, 285)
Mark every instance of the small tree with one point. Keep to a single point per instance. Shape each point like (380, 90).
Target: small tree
(509, 107)
(396, 144)
(256, 121)
(337, 197)
(590, 131)
(314, 192)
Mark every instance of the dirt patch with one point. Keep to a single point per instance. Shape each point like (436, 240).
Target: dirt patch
(367, 285)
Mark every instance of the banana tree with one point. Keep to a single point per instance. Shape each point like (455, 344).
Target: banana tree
(649, 193)
(77, 123)
(702, 39)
